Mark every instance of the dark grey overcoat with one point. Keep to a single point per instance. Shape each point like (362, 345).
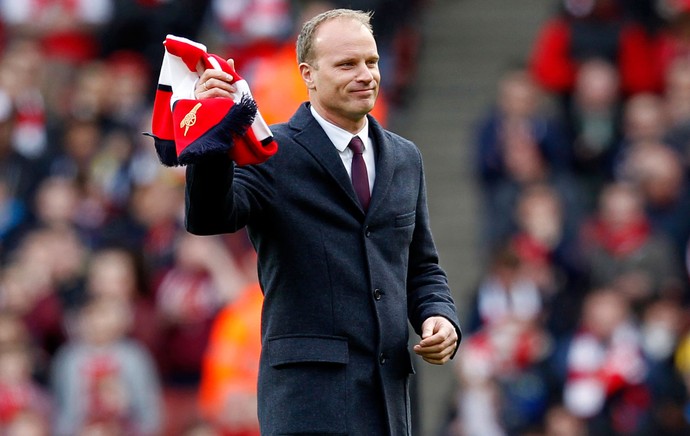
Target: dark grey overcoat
(339, 284)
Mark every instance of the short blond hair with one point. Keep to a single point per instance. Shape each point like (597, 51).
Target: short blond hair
(305, 39)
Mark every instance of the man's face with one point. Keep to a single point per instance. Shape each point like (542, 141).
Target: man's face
(343, 79)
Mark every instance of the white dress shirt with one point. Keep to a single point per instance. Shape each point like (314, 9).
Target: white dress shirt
(341, 138)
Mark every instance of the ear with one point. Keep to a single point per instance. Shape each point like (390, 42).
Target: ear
(307, 73)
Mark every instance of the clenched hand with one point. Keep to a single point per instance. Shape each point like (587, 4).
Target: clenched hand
(439, 340)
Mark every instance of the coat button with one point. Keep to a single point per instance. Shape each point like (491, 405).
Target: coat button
(382, 358)
(377, 294)
(367, 232)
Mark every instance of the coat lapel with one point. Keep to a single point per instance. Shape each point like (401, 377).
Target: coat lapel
(312, 137)
(385, 165)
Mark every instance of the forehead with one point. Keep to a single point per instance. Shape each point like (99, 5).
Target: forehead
(342, 37)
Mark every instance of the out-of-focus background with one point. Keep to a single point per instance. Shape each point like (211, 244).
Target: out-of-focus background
(556, 139)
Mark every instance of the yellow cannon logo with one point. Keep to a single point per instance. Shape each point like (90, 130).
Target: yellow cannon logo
(190, 119)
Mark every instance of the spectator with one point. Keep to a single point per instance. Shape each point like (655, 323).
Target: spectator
(57, 203)
(546, 243)
(658, 173)
(603, 369)
(503, 385)
(188, 297)
(545, 240)
(126, 98)
(503, 390)
(662, 326)
(36, 285)
(101, 378)
(644, 119)
(151, 221)
(19, 173)
(505, 292)
(81, 141)
(22, 76)
(117, 273)
(20, 394)
(623, 251)
(87, 98)
(519, 103)
(594, 120)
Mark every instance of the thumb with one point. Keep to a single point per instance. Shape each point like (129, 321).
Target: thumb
(428, 328)
(231, 62)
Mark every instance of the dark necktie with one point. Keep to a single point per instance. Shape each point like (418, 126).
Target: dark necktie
(360, 177)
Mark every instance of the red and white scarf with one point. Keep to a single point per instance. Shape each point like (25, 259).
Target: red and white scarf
(187, 130)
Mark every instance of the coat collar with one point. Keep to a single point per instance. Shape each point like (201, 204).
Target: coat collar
(311, 136)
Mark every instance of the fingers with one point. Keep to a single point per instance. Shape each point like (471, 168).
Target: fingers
(437, 353)
(213, 84)
(439, 341)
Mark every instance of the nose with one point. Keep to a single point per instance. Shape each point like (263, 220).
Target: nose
(364, 73)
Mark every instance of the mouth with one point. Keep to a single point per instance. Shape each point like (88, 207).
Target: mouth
(364, 91)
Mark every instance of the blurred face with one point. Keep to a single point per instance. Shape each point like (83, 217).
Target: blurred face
(27, 423)
(112, 274)
(57, 201)
(104, 321)
(343, 79)
(597, 86)
(518, 96)
(620, 206)
(15, 366)
(539, 214)
(645, 118)
(660, 173)
(603, 313)
(157, 202)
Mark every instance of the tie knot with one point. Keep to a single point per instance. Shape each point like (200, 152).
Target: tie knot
(356, 145)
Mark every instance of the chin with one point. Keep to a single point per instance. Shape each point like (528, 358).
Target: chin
(367, 107)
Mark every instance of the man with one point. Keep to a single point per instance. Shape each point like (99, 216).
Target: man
(340, 274)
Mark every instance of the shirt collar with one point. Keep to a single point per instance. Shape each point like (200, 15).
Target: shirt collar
(338, 136)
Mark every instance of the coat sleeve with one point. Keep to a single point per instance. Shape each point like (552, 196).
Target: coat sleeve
(221, 197)
(427, 284)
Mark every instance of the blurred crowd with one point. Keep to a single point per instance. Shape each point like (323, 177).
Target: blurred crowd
(114, 320)
(579, 323)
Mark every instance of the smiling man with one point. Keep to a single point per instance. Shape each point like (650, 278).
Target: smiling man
(339, 219)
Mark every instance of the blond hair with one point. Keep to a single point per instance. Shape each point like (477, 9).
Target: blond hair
(305, 39)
